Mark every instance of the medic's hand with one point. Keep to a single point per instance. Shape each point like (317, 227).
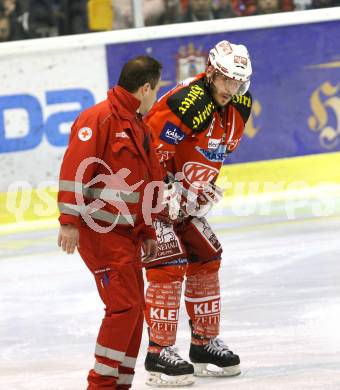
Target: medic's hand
(150, 250)
(68, 238)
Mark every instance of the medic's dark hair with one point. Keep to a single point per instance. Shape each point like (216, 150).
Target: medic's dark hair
(139, 71)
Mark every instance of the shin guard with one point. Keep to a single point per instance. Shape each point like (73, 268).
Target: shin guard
(202, 301)
(162, 307)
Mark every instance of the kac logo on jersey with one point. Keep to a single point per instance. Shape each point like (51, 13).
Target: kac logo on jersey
(217, 155)
(198, 175)
(172, 134)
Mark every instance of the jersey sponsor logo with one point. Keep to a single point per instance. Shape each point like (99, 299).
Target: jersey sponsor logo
(193, 105)
(243, 104)
(171, 134)
(181, 261)
(198, 175)
(214, 143)
(195, 92)
(217, 155)
(203, 115)
(245, 100)
(84, 134)
(168, 244)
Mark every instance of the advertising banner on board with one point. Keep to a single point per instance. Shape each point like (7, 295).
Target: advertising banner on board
(295, 84)
(295, 88)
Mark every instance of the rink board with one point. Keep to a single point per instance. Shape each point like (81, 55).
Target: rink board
(292, 134)
(268, 181)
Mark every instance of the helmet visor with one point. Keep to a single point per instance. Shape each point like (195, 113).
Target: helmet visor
(235, 87)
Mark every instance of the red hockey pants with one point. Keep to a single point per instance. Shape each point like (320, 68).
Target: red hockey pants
(189, 250)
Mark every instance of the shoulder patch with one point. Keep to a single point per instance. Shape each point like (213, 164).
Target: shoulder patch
(193, 105)
(84, 134)
(243, 105)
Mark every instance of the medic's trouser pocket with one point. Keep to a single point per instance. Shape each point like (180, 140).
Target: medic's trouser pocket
(120, 287)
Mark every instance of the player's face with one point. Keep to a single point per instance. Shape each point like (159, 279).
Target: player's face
(224, 88)
(149, 98)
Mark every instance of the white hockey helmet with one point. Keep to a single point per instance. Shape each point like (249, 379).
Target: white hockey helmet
(232, 61)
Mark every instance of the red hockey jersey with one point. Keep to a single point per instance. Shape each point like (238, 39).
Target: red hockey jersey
(192, 135)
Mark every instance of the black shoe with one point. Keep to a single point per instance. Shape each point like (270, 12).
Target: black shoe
(217, 354)
(168, 362)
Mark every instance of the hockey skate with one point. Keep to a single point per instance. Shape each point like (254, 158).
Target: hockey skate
(168, 369)
(214, 359)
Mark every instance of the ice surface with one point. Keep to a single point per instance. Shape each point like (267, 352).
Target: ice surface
(280, 300)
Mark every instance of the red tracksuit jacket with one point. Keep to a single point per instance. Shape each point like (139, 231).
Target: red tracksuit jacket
(107, 138)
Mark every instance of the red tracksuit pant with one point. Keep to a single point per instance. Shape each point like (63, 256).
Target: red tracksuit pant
(115, 262)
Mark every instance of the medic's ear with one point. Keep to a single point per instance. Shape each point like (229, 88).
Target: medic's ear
(145, 88)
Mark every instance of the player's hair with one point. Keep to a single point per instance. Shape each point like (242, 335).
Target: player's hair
(139, 71)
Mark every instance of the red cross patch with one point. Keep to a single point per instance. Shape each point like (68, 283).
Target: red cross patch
(84, 134)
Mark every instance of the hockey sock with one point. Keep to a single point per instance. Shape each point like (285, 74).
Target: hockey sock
(162, 306)
(202, 301)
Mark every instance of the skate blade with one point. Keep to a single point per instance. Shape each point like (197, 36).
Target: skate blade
(157, 379)
(204, 370)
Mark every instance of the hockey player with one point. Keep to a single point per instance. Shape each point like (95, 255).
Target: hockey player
(194, 126)
(108, 164)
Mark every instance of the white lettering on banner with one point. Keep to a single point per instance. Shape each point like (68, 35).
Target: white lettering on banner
(38, 122)
(163, 314)
(49, 99)
(207, 307)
